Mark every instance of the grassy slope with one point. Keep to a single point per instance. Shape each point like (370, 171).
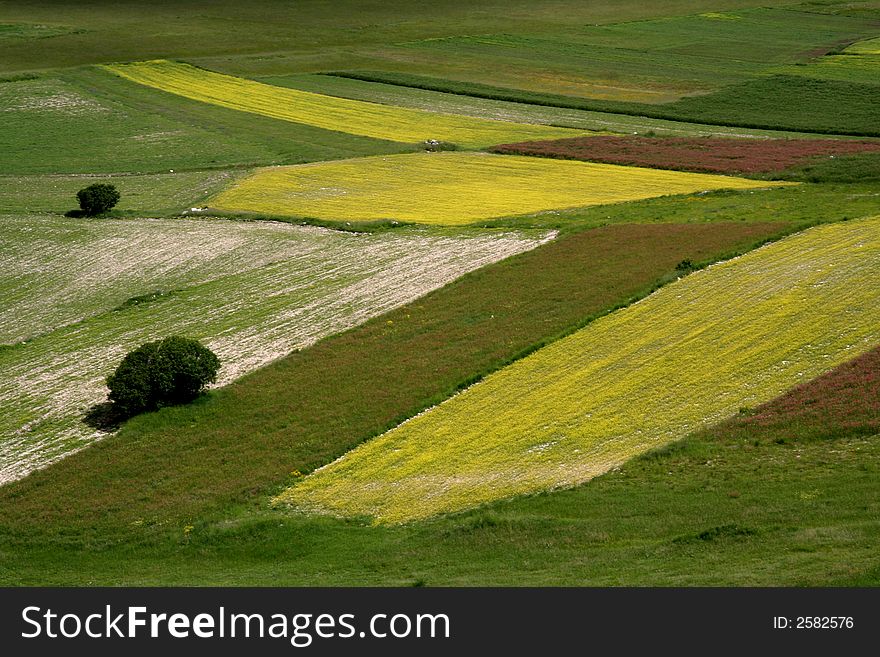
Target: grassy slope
(157, 194)
(653, 61)
(274, 288)
(803, 204)
(240, 442)
(631, 381)
(772, 497)
(791, 102)
(575, 537)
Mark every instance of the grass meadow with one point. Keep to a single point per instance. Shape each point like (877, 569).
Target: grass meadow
(243, 441)
(423, 355)
(628, 382)
(768, 504)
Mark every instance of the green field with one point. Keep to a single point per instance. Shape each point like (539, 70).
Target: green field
(654, 61)
(778, 501)
(276, 202)
(145, 194)
(256, 37)
(253, 291)
(317, 403)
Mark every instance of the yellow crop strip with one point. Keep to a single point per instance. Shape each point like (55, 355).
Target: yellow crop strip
(454, 188)
(734, 335)
(866, 47)
(329, 112)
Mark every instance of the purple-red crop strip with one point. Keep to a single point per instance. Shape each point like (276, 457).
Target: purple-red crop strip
(701, 154)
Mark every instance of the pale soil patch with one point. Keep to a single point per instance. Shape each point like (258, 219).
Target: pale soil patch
(46, 96)
(252, 291)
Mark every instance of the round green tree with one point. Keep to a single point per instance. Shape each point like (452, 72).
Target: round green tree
(98, 198)
(166, 372)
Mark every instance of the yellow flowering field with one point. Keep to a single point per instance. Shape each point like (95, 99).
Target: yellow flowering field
(733, 335)
(329, 112)
(453, 188)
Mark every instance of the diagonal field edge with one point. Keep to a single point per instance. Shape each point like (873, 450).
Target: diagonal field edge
(736, 334)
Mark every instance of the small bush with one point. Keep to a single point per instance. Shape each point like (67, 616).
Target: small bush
(167, 372)
(685, 265)
(98, 198)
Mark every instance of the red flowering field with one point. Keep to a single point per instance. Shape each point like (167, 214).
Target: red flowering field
(843, 402)
(702, 154)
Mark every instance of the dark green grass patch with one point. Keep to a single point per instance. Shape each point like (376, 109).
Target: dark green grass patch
(652, 61)
(241, 443)
(785, 499)
(158, 194)
(858, 8)
(261, 33)
(33, 31)
(861, 168)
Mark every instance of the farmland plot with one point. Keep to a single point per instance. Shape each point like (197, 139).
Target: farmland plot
(328, 112)
(453, 188)
(53, 125)
(157, 193)
(646, 61)
(734, 335)
(501, 110)
(305, 283)
(705, 154)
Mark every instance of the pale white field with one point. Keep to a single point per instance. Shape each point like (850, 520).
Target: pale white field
(253, 292)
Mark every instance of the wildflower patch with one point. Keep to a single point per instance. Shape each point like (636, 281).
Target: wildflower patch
(734, 335)
(453, 188)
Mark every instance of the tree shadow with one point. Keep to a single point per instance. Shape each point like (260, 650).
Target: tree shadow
(104, 417)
